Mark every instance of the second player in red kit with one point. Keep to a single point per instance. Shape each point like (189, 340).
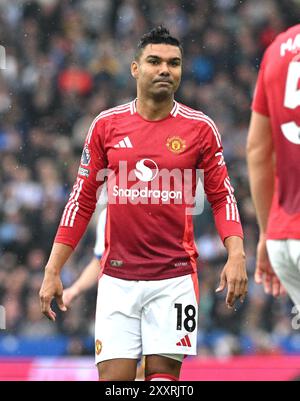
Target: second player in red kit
(274, 155)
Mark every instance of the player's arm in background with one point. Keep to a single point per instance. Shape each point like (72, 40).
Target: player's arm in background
(91, 272)
(219, 193)
(75, 218)
(85, 281)
(260, 157)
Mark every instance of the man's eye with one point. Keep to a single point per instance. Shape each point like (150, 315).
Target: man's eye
(154, 62)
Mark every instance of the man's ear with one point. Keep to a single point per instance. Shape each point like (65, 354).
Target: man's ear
(134, 69)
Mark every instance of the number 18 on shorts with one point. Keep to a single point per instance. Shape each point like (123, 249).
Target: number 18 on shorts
(135, 318)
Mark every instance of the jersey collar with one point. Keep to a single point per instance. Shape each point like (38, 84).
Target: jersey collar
(173, 112)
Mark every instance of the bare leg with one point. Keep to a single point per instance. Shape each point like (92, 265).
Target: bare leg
(117, 369)
(158, 364)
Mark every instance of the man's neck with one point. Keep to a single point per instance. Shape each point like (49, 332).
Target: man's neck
(151, 109)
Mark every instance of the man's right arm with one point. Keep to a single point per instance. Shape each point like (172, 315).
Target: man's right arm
(76, 216)
(52, 286)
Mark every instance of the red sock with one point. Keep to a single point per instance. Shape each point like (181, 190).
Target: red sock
(159, 377)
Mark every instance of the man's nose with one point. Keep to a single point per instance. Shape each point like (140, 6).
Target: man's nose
(164, 69)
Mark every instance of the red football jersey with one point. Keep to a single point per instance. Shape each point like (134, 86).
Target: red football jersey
(150, 169)
(277, 96)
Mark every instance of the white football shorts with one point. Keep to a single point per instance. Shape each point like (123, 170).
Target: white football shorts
(284, 257)
(135, 318)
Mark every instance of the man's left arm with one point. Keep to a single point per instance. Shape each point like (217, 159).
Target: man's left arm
(220, 194)
(234, 273)
(261, 178)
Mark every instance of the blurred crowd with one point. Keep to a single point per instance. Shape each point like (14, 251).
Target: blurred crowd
(68, 60)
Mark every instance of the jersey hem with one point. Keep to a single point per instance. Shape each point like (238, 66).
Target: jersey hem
(142, 277)
(283, 236)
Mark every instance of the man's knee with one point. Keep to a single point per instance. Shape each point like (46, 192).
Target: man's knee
(158, 364)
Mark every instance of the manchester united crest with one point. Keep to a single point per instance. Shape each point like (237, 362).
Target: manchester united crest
(98, 347)
(176, 144)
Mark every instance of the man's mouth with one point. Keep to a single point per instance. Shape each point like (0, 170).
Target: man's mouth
(163, 81)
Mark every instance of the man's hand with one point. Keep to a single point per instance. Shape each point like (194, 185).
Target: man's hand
(264, 274)
(51, 288)
(234, 275)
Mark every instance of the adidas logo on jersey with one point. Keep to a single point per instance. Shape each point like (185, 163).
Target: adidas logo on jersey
(124, 143)
(184, 342)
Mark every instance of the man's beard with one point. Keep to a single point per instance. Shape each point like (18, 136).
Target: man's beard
(162, 96)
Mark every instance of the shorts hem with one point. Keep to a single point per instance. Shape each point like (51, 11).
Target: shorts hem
(171, 352)
(99, 358)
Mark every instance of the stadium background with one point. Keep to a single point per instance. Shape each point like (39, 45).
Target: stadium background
(65, 62)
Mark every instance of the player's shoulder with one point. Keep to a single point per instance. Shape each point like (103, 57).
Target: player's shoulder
(190, 114)
(126, 109)
(288, 33)
(120, 110)
(206, 125)
(287, 37)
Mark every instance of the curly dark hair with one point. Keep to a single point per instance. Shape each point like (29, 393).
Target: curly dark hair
(157, 35)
